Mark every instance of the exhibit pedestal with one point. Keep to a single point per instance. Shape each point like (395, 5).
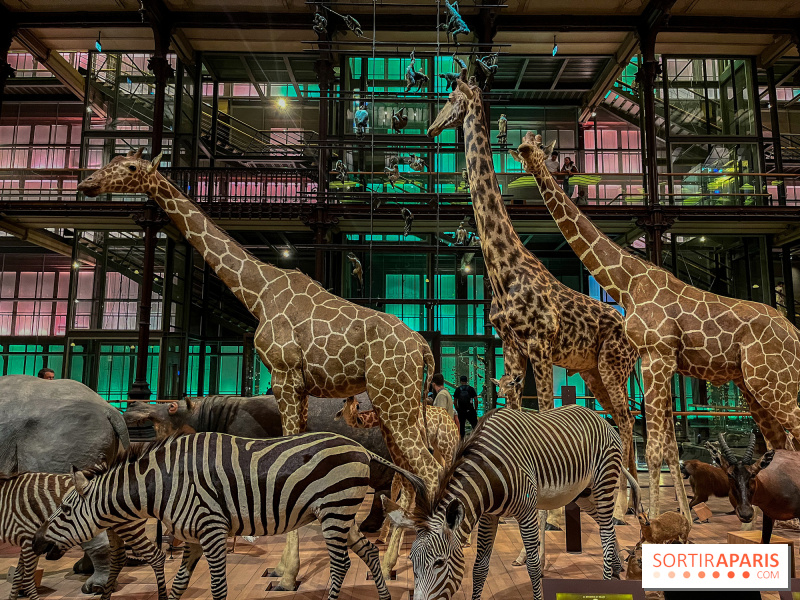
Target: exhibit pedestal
(754, 537)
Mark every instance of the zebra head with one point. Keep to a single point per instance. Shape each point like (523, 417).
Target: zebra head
(436, 554)
(72, 523)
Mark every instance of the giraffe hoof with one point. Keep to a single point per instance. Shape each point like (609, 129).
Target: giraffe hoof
(616, 521)
(516, 563)
(551, 527)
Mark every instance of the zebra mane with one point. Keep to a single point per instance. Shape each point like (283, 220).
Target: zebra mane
(131, 454)
(424, 506)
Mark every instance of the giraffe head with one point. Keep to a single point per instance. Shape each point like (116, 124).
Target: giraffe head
(124, 174)
(532, 153)
(510, 388)
(465, 95)
(349, 411)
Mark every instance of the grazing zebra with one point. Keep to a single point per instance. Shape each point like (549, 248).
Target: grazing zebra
(205, 487)
(514, 464)
(28, 500)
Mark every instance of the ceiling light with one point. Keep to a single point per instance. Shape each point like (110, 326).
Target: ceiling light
(594, 114)
(703, 238)
(555, 46)
(286, 253)
(76, 265)
(467, 268)
(755, 286)
(282, 102)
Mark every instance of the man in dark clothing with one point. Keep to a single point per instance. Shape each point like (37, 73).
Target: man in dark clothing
(466, 401)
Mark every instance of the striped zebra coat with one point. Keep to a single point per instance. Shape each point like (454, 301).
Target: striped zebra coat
(514, 464)
(28, 500)
(205, 487)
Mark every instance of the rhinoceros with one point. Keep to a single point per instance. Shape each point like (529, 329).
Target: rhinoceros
(259, 417)
(47, 426)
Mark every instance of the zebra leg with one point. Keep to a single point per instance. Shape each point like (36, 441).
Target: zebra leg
(118, 559)
(133, 534)
(24, 574)
(529, 528)
(215, 549)
(191, 554)
(487, 531)
(368, 552)
(340, 560)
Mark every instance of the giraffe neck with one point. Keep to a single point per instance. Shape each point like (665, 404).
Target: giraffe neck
(497, 241)
(245, 275)
(612, 267)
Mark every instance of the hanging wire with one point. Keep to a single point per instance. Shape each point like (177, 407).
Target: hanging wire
(437, 184)
(372, 149)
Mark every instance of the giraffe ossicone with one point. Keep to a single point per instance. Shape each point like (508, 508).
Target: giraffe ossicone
(678, 328)
(313, 342)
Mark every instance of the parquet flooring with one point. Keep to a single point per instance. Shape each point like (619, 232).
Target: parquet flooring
(249, 562)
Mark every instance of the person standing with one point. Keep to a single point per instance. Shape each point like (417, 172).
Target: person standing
(466, 399)
(442, 397)
(568, 169)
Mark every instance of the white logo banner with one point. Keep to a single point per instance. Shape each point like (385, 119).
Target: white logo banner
(764, 567)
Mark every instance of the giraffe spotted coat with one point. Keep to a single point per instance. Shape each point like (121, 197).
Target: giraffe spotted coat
(679, 328)
(313, 342)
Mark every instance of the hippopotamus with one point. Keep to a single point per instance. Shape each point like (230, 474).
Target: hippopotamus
(48, 426)
(259, 417)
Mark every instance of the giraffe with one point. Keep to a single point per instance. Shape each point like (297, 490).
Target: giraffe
(676, 327)
(313, 342)
(442, 431)
(539, 319)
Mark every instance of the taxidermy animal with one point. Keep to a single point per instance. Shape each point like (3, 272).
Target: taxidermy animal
(393, 173)
(451, 78)
(634, 560)
(320, 24)
(353, 25)
(228, 486)
(771, 483)
(49, 426)
(465, 178)
(28, 500)
(414, 78)
(408, 217)
(667, 528)
(493, 476)
(707, 481)
(488, 66)
(358, 271)
(341, 171)
(502, 130)
(417, 164)
(461, 233)
(361, 120)
(455, 25)
(259, 417)
(399, 120)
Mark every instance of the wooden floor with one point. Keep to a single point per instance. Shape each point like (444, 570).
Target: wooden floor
(247, 565)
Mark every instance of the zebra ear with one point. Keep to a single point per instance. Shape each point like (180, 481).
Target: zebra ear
(396, 514)
(454, 514)
(79, 480)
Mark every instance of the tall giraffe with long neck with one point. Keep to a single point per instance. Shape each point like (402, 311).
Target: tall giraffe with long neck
(538, 318)
(312, 342)
(676, 327)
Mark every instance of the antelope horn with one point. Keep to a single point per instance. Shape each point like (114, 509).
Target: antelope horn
(139, 153)
(748, 454)
(726, 451)
(130, 153)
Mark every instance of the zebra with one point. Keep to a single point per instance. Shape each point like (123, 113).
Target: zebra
(26, 502)
(514, 464)
(205, 487)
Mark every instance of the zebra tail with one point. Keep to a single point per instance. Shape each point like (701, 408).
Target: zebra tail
(637, 491)
(419, 486)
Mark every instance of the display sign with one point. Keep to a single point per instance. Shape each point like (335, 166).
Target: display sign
(589, 589)
(765, 567)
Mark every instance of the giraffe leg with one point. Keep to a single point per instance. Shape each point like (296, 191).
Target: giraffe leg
(386, 529)
(515, 364)
(771, 429)
(289, 390)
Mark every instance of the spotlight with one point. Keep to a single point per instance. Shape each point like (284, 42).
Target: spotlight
(286, 253)
(594, 114)
(76, 265)
(755, 286)
(282, 102)
(467, 268)
(703, 238)
(555, 46)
